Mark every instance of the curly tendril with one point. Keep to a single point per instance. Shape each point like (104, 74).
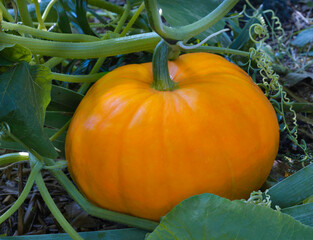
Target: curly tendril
(262, 199)
(258, 33)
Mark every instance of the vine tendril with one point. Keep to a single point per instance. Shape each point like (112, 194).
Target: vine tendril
(258, 33)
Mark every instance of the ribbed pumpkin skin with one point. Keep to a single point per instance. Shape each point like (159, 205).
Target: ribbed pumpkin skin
(140, 151)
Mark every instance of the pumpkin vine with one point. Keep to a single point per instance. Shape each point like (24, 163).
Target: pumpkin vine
(258, 33)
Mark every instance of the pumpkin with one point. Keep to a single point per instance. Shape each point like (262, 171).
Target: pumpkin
(140, 151)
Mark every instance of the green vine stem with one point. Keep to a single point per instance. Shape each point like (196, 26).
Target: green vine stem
(123, 18)
(219, 50)
(62, 37)
(133, 19)
(5, 13)
(54, 209)
(30, 182)
(104, 48)
(60, 131)
(161, 77)
(23, 10)
(52, 62)
(115, 9)
(96, 211)
(13, 157)
(47, 10)
(38, 14)
(185, 32)
(85, 86)
(77, 78)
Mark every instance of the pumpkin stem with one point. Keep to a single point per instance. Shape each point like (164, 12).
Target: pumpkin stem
(161, 77)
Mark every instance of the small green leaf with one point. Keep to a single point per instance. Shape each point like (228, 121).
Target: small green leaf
(184, 12)
(12, 53)
(305, 37)
(293, 189)
(24, 96)
(208, 216)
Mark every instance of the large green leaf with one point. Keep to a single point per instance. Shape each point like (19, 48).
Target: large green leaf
(293, 189)
(210, 217)
(183, 12)
(11, 53)
(24, 96)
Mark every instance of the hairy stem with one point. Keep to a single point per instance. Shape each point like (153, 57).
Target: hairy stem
(188, 31)
(77, 78)
(23, 10)
(133, 19)
(5, 13)
(39, 17)
(65, 37)
(13, 157)
(123, 18)
(104, 48)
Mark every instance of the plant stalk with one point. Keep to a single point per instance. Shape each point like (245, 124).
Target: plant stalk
(13, 157)
(103, 48)
(77, 78)
(161, 77)
(5, 13)
(23, 10)
(123, 18)
(173, 34)
(62, 37)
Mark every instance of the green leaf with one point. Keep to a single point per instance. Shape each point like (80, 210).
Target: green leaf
(81, 7)
(24, 96)
(12, 53)
(208, 216)
(293, 78)
(64, 100)
(56, 119)
(305, 37)
(293, 189)
(184, 12)
(301, 107)
(63, 20)
(302, 213)
(243, 36)
(58, 143)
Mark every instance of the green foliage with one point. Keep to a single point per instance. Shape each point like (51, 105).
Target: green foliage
(12, 53)
(24, 96)
(207, 216)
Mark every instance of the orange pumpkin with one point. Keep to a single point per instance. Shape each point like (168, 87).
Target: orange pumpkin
(136, 150)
